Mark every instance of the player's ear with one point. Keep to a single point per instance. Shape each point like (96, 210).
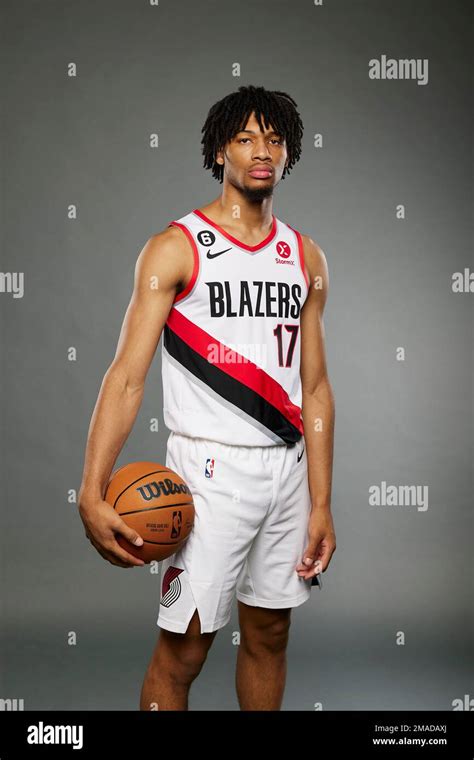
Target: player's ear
(219, 157)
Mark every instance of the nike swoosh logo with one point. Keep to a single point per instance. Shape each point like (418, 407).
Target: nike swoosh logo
(300, 455)
(213, 255)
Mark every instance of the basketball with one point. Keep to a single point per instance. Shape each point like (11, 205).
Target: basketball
(157, 503)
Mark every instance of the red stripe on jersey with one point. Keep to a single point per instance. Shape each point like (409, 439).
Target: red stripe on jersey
(245, 371)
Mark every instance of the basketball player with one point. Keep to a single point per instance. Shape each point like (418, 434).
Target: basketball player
(247, 399)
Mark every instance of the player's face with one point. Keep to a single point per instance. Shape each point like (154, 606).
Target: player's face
(254, 161)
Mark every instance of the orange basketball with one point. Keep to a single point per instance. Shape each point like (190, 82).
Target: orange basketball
(157, 503)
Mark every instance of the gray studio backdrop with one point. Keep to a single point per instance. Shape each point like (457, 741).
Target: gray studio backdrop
(392, 626)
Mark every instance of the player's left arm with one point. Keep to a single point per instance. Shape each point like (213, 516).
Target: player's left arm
(318, 412)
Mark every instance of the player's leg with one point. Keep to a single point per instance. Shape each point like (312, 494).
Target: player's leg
(198, 582)
(269, 586)
(176, 661)
(261, 659)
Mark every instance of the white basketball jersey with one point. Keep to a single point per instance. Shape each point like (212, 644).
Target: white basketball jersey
(231, 343)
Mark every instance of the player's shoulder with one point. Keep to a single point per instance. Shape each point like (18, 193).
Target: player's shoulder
(314, 256)
(315, 261)
(168, 239)
(313, 253)
(171, 241)
(166, 251)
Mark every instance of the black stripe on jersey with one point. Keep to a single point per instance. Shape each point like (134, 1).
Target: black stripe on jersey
(231, 389)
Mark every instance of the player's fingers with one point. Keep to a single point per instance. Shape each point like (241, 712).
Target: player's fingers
(309, 571)
(113, 561)
(326, 555)
(123, 556)
(310, 555)
(129, 533)
(111, 557)
(105, 554)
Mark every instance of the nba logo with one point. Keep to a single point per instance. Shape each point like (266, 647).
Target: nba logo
(176, 523)
(209, 471)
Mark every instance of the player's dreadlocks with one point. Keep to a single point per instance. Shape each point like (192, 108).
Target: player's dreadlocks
(228, 116)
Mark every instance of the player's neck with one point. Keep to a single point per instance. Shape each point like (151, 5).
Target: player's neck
(240, 215)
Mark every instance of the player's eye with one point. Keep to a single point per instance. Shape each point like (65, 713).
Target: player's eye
(273, 140)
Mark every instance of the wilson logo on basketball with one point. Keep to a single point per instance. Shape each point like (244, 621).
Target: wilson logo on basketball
(165, 487)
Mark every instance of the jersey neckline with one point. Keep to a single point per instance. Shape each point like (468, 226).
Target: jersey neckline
(234, 240)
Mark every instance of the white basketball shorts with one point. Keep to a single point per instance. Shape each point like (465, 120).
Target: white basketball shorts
(252, 506)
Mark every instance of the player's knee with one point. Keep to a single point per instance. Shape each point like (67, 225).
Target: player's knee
(182, 659)
(268, 634)
(188, 663)
(185, 653)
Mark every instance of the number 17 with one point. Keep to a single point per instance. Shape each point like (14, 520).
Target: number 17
(293, 329)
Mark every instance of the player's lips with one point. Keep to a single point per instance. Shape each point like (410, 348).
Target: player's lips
(262, 172)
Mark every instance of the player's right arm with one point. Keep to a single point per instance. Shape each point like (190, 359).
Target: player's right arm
(161, 271)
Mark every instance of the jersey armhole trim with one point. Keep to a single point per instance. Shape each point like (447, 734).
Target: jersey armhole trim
(195, 272)
(301, 254)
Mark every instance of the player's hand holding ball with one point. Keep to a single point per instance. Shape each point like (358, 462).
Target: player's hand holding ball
(102, 523)
(147, 514)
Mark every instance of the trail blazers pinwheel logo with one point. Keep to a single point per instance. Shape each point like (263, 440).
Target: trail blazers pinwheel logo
(171, 586)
